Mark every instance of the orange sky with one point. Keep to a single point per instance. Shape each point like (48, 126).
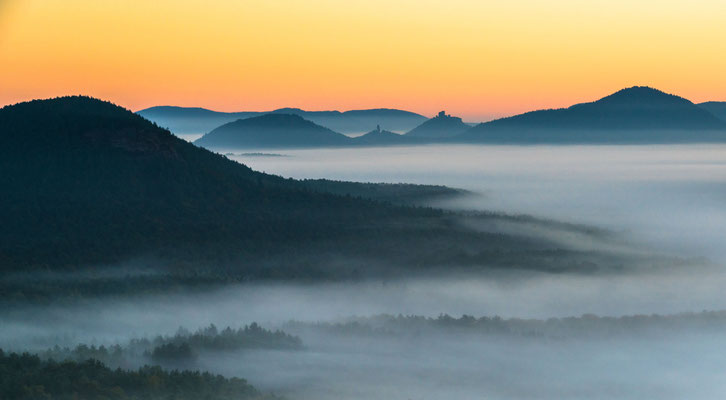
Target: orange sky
(476, 59)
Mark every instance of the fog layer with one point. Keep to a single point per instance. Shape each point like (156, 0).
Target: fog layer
(667, 196)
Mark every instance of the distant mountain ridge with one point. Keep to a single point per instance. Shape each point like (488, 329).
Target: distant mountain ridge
(636, 114)
(183, 120)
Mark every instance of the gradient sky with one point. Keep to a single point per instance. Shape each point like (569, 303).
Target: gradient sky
(476, 59)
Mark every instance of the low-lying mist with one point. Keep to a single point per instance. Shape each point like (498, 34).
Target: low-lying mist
(455, 364)
(669, 197)
(587, 358)
(522, 294)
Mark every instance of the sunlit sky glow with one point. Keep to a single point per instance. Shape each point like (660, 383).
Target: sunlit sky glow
(476, 59)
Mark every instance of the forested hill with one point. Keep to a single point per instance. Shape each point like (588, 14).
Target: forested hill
(87, 182)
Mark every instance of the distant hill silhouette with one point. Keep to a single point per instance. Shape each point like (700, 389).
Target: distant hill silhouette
(183, 120)
(717, 108)
(275, 130)
(634, 115)
(378, 137)
(87, 182)
(438, 127)
(637, 114)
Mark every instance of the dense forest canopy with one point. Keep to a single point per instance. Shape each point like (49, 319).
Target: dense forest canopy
(27, 377)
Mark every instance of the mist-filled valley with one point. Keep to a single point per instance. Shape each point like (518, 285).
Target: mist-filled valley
(667, 196)
(649, 218)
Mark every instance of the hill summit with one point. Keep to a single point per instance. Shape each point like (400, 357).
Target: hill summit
(640, 96)
(276, 130)
(440, 126)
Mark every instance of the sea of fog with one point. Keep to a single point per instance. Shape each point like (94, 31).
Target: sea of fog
(668, 199)
(668, 196)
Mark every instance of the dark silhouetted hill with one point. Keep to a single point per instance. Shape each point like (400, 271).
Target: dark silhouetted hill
(717, 108)
(272, 131)
(637, 114)
(87, 182)
(441, 126)
(183, 120)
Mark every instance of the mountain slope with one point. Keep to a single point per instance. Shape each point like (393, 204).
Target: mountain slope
(87, 182)
(272, 131)
(182, 120)
(717, 108)
(637, 114)
(441, 126)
